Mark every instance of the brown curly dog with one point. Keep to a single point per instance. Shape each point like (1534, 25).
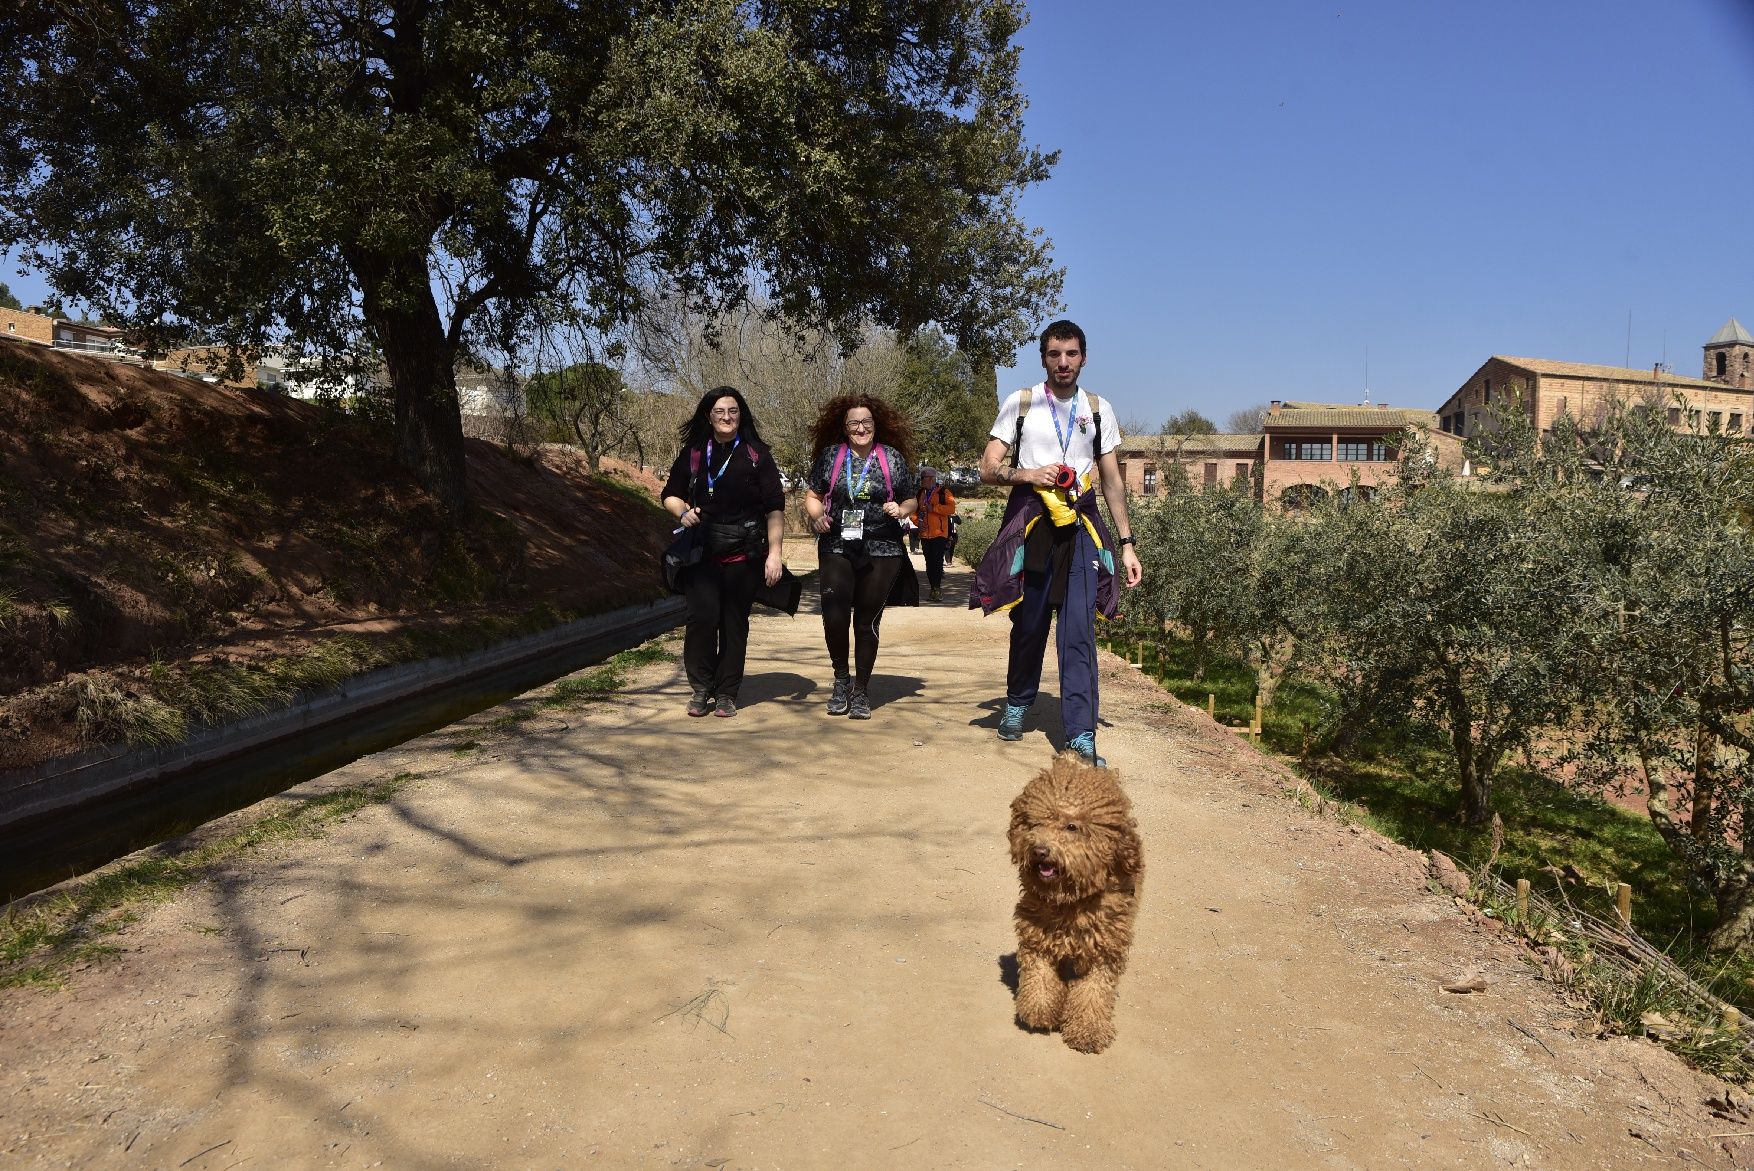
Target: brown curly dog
(1078, 855)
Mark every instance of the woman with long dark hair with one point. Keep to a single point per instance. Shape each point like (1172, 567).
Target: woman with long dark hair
(860, 488)
(724, 479)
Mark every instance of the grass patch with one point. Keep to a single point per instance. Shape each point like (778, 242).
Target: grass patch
(38, 945)
(607, 679)
(628, 489)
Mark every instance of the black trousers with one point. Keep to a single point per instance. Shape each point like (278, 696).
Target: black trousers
(854, 595)
(937, 553)
(717, 636)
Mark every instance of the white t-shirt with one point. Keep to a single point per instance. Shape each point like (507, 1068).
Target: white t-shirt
(1041, 445)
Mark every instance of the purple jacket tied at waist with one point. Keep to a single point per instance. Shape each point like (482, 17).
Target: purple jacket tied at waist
(998, 580)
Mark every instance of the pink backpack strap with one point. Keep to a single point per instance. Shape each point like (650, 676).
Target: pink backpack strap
(840, 455)
(883, 460)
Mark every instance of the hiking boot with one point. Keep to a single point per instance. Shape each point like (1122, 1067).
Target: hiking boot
(837, 703)
(859, 706)
(935, 595)
(727, 707)
(701, 704)
(1084, 744)
(1011, 723)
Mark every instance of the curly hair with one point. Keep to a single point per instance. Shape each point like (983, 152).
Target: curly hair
(830, 427)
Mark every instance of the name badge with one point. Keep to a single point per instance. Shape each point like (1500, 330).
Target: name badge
(852, 524)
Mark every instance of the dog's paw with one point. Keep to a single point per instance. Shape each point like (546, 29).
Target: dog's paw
(1032, 1014)
(1088, 1036)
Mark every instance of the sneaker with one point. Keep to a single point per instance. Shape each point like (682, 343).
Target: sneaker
(1011, 723)
(837, 703)
(727, 707)
(1084, 744)
(858, 706)
(935, 596)
(701, 704)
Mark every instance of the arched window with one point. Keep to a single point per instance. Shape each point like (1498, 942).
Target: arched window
(1301, 496)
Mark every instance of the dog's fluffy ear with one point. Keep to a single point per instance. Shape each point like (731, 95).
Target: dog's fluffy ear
(1019, 832)
(1129, 855)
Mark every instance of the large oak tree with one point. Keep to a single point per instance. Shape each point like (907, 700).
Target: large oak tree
(421, 175)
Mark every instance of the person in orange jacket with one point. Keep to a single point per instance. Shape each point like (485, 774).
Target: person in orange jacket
(937, 506)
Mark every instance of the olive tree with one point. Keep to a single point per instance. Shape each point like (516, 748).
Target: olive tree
(1434, 605)
(1663, 520)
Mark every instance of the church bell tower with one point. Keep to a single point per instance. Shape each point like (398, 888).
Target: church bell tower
(1729, 356)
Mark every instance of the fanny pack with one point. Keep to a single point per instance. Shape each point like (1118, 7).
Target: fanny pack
(747, 537)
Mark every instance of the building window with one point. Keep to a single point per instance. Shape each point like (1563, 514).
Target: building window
(1211, 475)
(1242, 474)
(1674, 416)
(1735, 422)
(1714, 420)
(1301, 496)
(1150, 480)
(1298, 449)
(1722, 363)
(1363, 451)
(12, 327)
(1693, 419)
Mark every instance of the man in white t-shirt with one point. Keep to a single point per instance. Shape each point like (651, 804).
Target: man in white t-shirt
(1065, 448)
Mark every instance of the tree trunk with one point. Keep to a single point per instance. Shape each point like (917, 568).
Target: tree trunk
(1699, 822)
(1735, 912)
(403, 315)
(1475, 781)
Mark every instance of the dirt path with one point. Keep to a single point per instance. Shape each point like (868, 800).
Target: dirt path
(617, 936)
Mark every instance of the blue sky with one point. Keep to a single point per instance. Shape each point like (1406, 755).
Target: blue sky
(1253, 194)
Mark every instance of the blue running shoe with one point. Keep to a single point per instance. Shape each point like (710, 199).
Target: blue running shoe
(1084, 744)
(1011, 723)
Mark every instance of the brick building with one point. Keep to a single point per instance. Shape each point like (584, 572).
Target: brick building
(1312, 449)
(1207, 461)
(1303, 452)
(207, 363)
(25, 326)
(1723, 397)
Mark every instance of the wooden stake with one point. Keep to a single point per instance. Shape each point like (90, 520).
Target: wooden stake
(1623, 904)
(1522, 900)
(1211, 706)
(1732, 1019)
(1258, 724)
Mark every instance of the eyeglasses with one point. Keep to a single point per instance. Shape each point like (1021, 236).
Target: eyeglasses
(726, 413)
(861, 424)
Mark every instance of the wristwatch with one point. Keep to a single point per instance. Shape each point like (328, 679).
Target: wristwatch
(1126, 541)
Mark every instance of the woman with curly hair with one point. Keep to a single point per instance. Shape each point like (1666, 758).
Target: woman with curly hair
(861, 486)
(725, 479)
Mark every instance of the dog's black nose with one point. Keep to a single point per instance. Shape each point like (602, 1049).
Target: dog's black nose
(1041, 853)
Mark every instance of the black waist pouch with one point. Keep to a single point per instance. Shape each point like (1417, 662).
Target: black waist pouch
(724, 540)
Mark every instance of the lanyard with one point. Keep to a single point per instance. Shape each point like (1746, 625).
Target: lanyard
(1065, 437)
(864, 473)
(712, 477)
